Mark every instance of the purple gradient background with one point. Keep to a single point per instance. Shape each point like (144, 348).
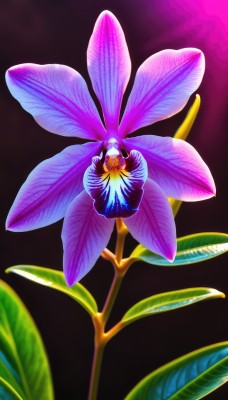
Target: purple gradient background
(48, 31)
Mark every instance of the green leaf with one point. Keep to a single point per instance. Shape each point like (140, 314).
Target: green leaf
(23, 361)
(55, 280)
(8, 365)
(7, 392)
(190, 249)
(190, 377)
(169, 301)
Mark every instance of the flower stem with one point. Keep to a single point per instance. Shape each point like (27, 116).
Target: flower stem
(101, 337)
(96, 368)
(112, 295)
(121, 234)
(99, 345)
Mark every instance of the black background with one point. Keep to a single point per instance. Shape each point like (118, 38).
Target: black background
(55, 31)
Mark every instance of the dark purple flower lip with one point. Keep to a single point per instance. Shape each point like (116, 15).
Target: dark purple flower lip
(115, 182)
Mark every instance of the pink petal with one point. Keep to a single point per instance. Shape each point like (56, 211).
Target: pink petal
(162, 87)
(153, 225)
(85, 234)
(118, 192)
(109, 66)
(50, 188)
(175, 166)
(58, 98)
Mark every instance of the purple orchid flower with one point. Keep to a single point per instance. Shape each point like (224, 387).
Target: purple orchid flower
(94, 183)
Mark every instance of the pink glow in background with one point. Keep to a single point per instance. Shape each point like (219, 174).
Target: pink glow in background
(202, 24)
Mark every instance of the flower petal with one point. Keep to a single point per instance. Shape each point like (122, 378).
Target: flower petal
(175, 166)
(153, 225)
(109, 66)
(58, 98)
(117, 193)
(162, 87)
(50, 188)
(85, 234)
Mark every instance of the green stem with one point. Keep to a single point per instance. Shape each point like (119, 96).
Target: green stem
(101, 338)
(100, 319)
(121, 234)
(96, 369)
(112, 295)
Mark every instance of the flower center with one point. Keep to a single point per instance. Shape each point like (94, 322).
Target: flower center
(114, 160)
(115, 182)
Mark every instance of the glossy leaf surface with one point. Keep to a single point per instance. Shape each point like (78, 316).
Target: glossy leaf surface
(190, 249)
(7, 392)
(55, 280)
(190, 377)
(23, 361)
(169, 301)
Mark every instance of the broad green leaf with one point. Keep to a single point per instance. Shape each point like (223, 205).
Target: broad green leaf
(190, 377)
(23, 361)
(7, 392)
(8, 364)
(55, 280)
(190, 249)
(185, 127)
(169, 301)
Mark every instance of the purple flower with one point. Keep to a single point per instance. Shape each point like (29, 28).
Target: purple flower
(94, 183)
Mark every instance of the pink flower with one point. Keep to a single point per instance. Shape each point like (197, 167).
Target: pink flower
(94, 183)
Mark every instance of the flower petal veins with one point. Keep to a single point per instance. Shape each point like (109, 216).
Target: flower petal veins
(49, 189)
(109, 66)
(162, 87)
(153, 225)
(175, 166)
(134, 187)
(85, 234)
(117, 191)
(58, 98)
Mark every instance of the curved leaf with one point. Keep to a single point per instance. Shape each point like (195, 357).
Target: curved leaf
(184, 129)
(23, 361)
(169, 301)
(175, 204)
(55, 280)
(190, 377)
(8, 366)
(190, 249)
(7, 392)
